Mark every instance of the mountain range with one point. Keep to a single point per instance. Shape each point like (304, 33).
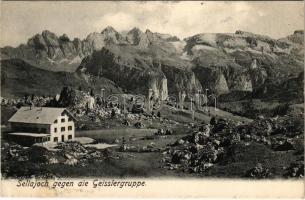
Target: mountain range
(137, 61)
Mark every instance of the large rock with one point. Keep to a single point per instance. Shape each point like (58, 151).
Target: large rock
(76, 99)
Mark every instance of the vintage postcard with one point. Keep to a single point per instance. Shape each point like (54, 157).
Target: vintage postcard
(152, 99)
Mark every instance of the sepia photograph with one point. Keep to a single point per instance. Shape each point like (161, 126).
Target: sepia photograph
(121, 92)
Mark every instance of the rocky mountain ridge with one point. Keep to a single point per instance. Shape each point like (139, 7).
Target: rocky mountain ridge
(138, 61)
(60, 53)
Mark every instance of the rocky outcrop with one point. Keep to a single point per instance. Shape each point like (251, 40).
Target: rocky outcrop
(290, 90)
(135, 72)
(75, 99)
(158, 85)
(181, 80)
(212, 79)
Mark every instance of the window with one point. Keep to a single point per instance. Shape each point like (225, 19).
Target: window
(69, 119)
(63, 120)
(55, 122)
(69, 137)
(62, 114)
(55, 139)
(55, 130)
(70, 128)
(63, 129)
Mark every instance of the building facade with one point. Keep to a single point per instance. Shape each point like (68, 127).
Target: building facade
(62, 129)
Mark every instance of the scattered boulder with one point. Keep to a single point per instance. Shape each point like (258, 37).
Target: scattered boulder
(235, 138)
(199, 137)
(285, 146)
(116, 141)
(258, 172)
(126, 122)
(295, 170)
(139, 125)
(53, 160)
(71, 161)
(161, 132)
(213, 121)
(205, 129)
(221, 125)
(180, 142)
(169, 132)
(139, 149)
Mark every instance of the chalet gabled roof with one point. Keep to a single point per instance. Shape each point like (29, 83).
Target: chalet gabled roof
(38, 115)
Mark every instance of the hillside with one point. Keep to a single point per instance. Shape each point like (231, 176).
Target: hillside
(19, 78)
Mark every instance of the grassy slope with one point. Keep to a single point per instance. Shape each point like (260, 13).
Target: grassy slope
(19, 78)
(133, 164)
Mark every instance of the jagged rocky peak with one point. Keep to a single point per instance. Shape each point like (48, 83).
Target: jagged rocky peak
(96, 40)
(48, 51)
(136, 37)
(50, 38)
(112, 35)
(297, 37)
(153, 38)
(43, 40)
(109, 30)
(167, 37)
(148, 31)
(77, 43)
(64, 38)
(92, 35)
(108, 36)
(299, 32)
(77, 40)
(135, 31)
(37, 41)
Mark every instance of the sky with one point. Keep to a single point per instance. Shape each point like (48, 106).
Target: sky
(21, 20)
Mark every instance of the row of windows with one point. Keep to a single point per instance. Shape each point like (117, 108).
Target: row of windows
(62, 138)
(63, 120)
(30, 129)
(63, 129)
